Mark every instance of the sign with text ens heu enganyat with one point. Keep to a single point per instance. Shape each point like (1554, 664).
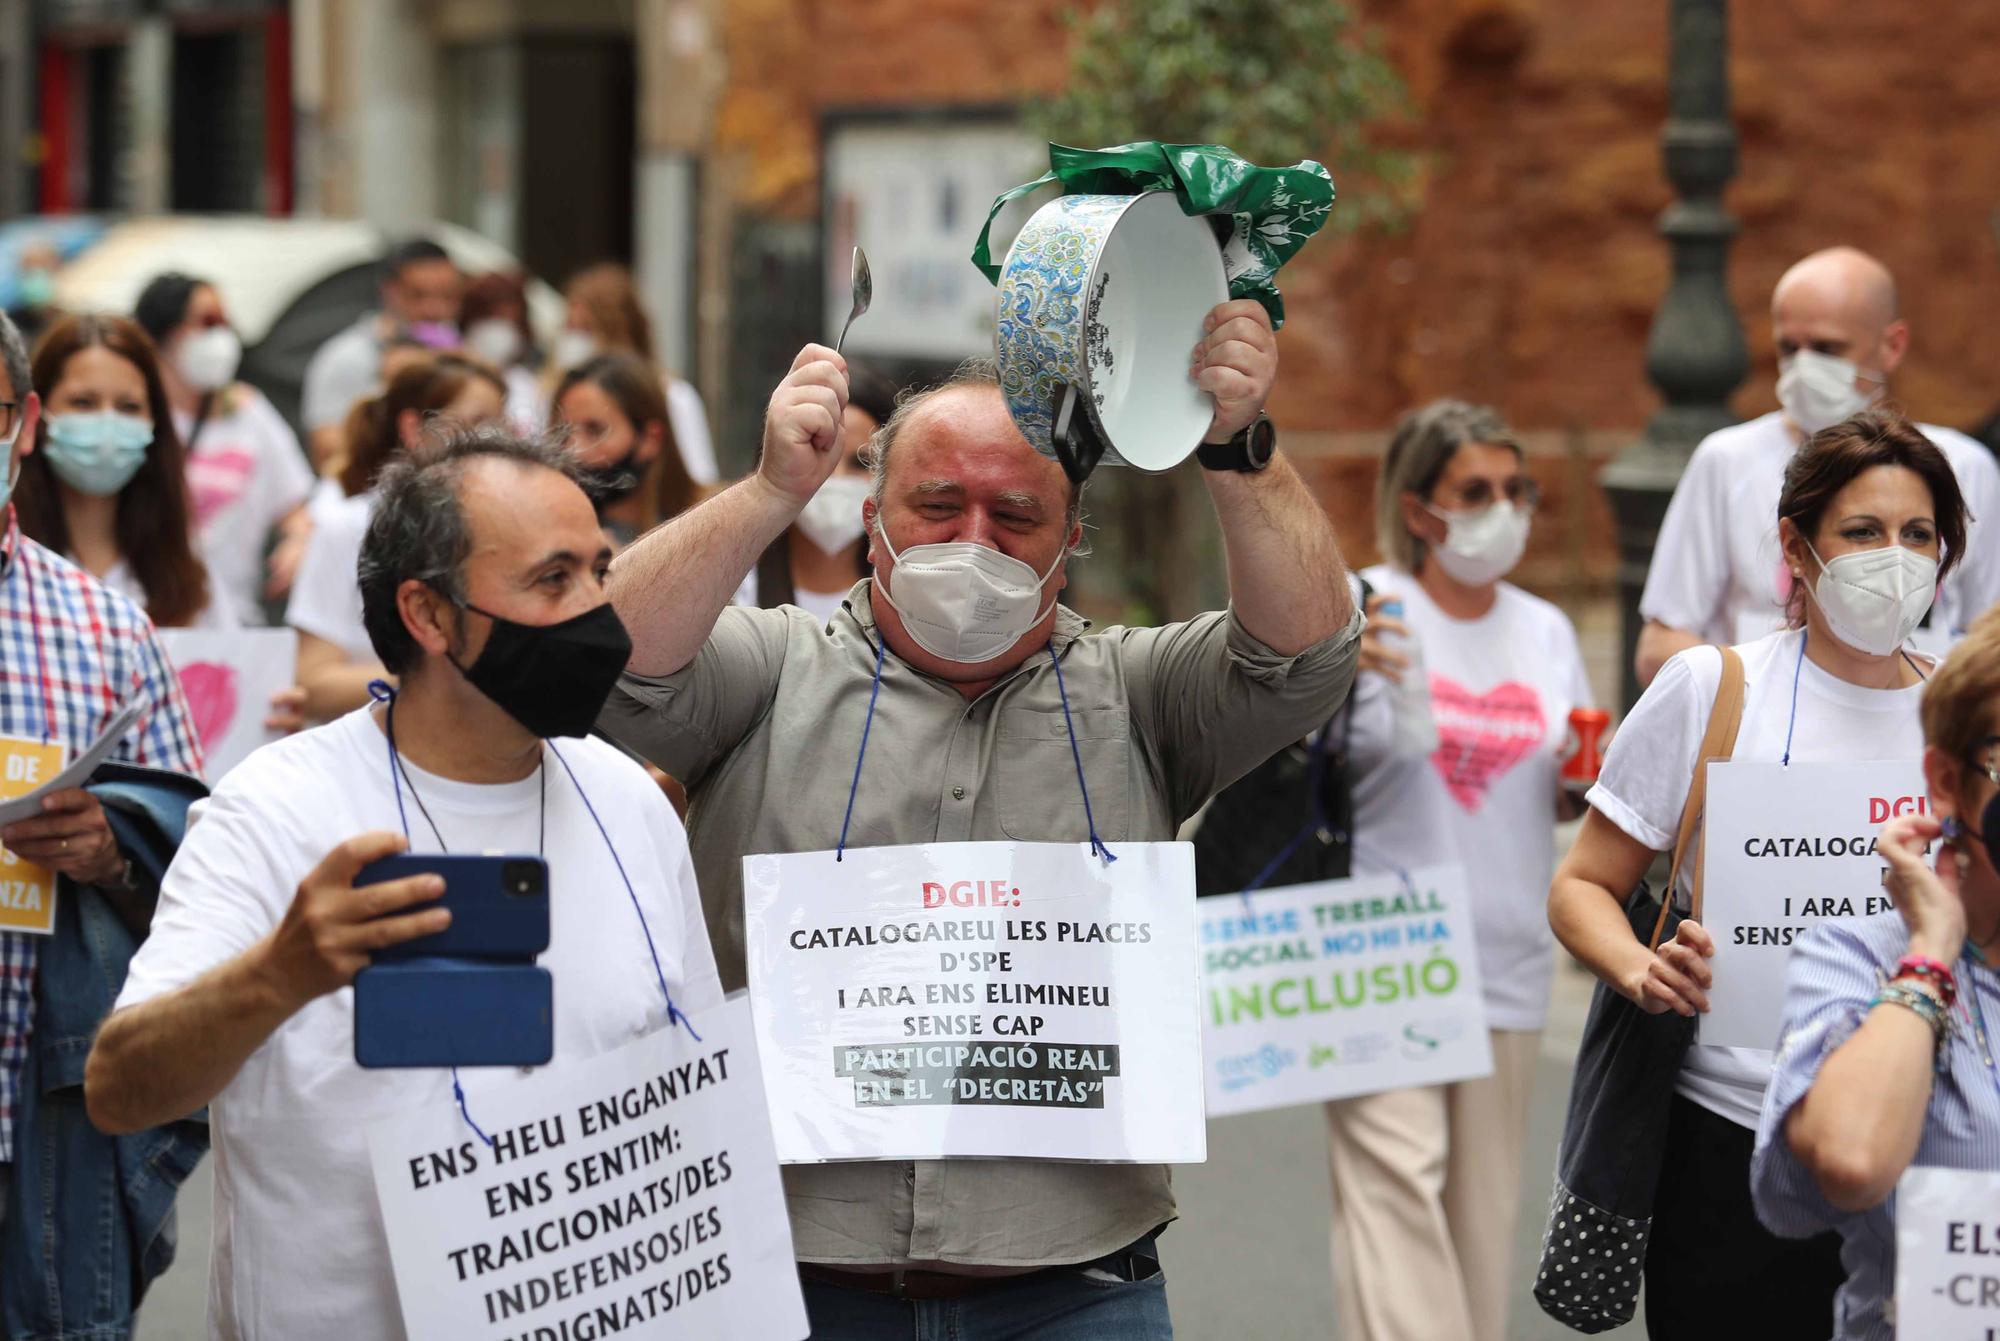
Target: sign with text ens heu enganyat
(1785, 848)
(978, 999)
(634, 1194)
(1948, 1255)
(1346, 987)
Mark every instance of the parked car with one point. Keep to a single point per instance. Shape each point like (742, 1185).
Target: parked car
(289, 284)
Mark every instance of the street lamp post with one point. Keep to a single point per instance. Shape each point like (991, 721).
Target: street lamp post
(1695, 354)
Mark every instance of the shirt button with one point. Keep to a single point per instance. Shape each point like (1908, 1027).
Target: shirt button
(958, 793)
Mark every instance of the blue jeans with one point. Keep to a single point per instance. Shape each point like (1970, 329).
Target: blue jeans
(1059, 1305)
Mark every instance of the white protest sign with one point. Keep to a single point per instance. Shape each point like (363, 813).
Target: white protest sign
(634, 1194)
(1346, 987)
(978, 999)
(1785, 848)
(228, 678)
(1948, 1255)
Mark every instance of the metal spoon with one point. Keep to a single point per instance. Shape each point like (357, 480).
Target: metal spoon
(864, 293)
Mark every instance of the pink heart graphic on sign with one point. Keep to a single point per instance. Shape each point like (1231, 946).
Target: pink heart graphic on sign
(1481, 736)
(210, 688)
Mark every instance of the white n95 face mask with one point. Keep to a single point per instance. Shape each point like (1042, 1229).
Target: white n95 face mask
(573, 348)
(498, 342)
(832, 519)
(1818, 390)
(1873, 599)
(207, 360)
(1483, 546)
(962, 601)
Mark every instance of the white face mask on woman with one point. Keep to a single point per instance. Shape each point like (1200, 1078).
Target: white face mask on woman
(961, 601)
(207, 360)
(832, 519)
(1873, 599)
(1483, 546)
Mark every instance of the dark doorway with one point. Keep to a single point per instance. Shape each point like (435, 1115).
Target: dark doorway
(578, 145)
(218, 128)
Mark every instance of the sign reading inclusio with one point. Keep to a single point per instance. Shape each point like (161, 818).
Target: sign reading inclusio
(1346, 987)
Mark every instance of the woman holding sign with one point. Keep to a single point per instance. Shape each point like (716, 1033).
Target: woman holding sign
(1869, 521)
(1885, 1107)
(1427, 1179)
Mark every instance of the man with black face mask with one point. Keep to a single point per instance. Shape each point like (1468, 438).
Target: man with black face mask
(482, 580)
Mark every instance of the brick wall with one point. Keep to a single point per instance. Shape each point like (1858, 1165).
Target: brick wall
(1530, 277)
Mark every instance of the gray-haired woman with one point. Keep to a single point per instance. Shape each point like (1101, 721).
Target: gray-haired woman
(1427, 1181)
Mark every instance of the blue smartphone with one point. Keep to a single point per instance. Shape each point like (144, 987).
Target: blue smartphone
(499, 905)
(451, 1012)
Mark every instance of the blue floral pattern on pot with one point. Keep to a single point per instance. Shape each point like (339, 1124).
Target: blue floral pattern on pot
(1042, 338)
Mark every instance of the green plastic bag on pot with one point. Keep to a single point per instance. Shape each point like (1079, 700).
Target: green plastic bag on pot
(1273, 210)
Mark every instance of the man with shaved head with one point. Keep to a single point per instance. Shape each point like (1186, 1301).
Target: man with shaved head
(1717, 575)
(990, 715)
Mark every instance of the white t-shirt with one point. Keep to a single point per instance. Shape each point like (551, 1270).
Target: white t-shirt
(527, 405)
(246, 473)
(343, 370)
(218, 616)
(1717, 571)
(821, 605)
(1502, 687)
(689, 421)
(299, 1251)
(1650, 764)
(326, 595)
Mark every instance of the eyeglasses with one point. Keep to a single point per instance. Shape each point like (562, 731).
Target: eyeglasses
(1474, 495)
(10, 417)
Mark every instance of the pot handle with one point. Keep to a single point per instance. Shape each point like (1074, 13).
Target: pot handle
(1077, 445)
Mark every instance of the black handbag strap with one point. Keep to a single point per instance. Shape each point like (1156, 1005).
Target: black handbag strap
(1717, 743)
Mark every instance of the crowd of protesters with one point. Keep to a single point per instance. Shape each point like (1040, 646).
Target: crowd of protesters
(489, 544)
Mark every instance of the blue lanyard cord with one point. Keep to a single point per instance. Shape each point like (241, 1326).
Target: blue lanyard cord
(1791, 724)
(1075, 753)
(867, 725)
(384, 693)
(674, 1013)
(1317, 820)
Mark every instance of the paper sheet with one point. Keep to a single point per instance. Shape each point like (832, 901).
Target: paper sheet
(29, 804)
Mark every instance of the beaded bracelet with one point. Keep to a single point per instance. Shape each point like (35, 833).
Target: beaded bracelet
(1927, 1008)
(1935, 971)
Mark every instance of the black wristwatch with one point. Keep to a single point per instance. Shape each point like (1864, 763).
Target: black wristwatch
(1249, 451)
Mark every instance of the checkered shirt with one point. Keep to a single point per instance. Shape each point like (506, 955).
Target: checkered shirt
(72, 652)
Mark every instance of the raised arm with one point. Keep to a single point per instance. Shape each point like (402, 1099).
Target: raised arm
(1287, 582)
(670, 585)
(1857, 1129)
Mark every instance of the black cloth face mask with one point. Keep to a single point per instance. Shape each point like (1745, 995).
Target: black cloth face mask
(551, 678)
(614, 483)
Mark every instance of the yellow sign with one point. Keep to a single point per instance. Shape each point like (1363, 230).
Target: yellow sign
(27, 891)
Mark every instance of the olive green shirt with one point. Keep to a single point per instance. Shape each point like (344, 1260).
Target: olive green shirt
(763, 727)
